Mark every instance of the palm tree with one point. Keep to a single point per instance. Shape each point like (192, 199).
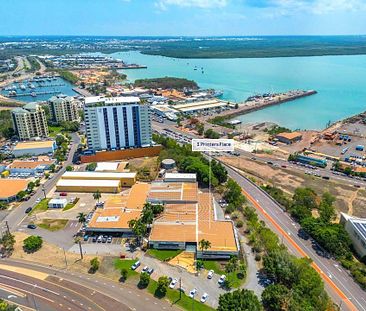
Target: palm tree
(81, 218)
(139, 228)
(204, 245)
(97, 195)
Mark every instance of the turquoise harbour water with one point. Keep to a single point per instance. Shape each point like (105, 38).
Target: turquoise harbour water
(339, 80)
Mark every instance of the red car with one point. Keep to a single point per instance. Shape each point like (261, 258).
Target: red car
(63, 194)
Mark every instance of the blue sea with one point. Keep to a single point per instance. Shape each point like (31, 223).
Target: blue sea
(339, 80)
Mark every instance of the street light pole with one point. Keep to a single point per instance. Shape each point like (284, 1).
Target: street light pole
(44, 191)
(81, 250)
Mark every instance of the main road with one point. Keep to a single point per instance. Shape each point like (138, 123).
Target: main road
(343, 290)
(44, 288)
(16, 216)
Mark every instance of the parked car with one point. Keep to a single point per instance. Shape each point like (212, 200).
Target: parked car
(222, 279)
(32, 226)
(109, 239)
(144, 269)
(193, 292)
(104, 239)
(204, 297)
(63, 194)
(86, 237)
(210, 274)
(150, 271)
(94, 239)
(136, 265)
(173, 283)
(38, 200)
(100, 238)
(28, 210)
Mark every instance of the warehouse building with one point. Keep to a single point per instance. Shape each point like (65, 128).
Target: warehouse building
(200, 106)
(180, 177)
(34, 148)
(126, 179)
(289, 138)
(88, 185)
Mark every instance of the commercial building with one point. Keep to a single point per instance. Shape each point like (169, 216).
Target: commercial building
(64, 108)
(289, 138)
(34, 148)
(93, 181)
(57, 203)
(30, 121)
(9, 188)
(29, 168)
(356, 228)
(311, 160)
(117, 123)
(200, 106)
(111, 166)
(183, 224)
(180, 177)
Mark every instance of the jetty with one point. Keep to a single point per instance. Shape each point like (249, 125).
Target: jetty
(259, 102)
(34, 94)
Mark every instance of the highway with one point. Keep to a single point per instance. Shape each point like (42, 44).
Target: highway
(43, 288)
(16, 216)
(342, 289)
(339, 284)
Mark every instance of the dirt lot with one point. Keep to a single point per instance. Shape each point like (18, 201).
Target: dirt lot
(349, 199)
(147, 168)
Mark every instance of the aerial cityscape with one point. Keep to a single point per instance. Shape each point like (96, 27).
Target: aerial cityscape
(183, 155)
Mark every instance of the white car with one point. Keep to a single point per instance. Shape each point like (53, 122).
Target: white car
(173, 283)
(193, 292)
(145, 269)
(222, 279)
(210, 274)
(204, 297)
(38, 200)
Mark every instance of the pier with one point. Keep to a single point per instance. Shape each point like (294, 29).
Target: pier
(255, 103)
(34, 94)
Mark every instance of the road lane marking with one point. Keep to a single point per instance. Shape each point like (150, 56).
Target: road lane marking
(301, 252)
(24, 271)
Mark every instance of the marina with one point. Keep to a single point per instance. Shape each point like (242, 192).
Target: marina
(38, 88)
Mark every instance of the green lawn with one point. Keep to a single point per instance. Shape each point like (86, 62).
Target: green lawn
(216, 267)
(68, 206)
(163, 255)
(185, 302)
(119, 264)
(53, 224)
(54, 130)
(40, 207)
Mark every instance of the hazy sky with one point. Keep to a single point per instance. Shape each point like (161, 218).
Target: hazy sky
(182, 17)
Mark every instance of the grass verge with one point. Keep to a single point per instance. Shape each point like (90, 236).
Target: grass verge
(120, 264)
(53, 224)
(216, 267)
(163, 255)
(40, 207)
(173, 296)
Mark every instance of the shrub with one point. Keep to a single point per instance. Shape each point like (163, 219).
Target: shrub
(124, 274)
(94, 265)
(32, 244)
(144, 280)
(239, 224)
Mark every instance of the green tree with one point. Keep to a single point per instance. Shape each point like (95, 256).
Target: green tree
(162, 287)
(239, 300)
(144, 280)
(8, 242)
(326, 209)
(124, 274)
(31, 186)
(91, 167)
(81, 217)
(21, 195)
(210, 133)
(275, 296)
(69, 168)
(204, 245)
(97, 195)
(139, 228)
(233, 194)
(219, 171)
(94, 265)
(32, 244)
(304, 201)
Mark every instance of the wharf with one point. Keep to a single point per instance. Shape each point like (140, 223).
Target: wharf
(82, 92)
(254, 104)
(34, 94)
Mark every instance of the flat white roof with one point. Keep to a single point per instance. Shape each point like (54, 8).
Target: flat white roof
(180, 176)
(203, 106)
(58, 201)
(87, 183)
(106, 166)
(98, 175)
(111, 100)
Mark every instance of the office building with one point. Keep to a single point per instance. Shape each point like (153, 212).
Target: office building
(64, 108)
(30, 121)
(116, 123)
(356, 228)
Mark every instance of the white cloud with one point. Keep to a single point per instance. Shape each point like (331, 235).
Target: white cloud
(287, 7)
(204, 4)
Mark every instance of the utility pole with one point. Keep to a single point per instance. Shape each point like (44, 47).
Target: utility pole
(44, 191)
(7, 226)
(65, 257)
(180, 288)
(81, 251)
